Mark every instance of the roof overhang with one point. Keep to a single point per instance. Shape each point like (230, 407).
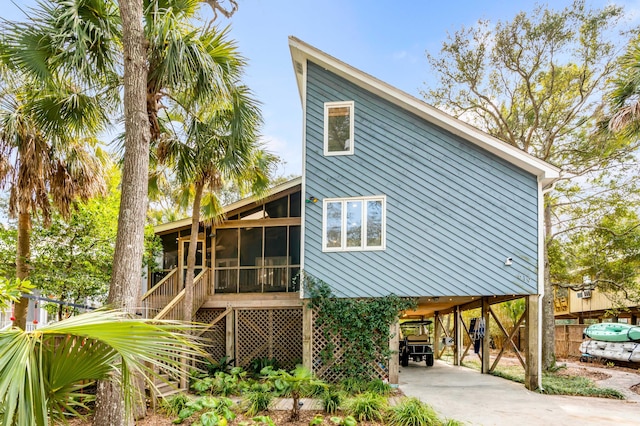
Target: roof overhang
(302, 52)
(182, 223)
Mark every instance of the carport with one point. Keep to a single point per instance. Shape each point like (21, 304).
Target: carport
(453, 330)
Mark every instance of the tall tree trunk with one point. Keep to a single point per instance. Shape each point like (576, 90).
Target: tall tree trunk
(548, 313)
(127, 263)
(191, 254)
(22, 265)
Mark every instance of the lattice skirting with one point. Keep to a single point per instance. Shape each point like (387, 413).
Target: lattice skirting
(327, 371)
(214, 337)
(270, 333)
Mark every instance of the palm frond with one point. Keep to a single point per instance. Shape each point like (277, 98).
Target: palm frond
(40, 370)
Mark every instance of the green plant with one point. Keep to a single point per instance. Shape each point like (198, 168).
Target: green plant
(314, 390)
(223, 365)
(202, 386)
(379, 387)
(364, 324)
(295, 384)
(258, 364)
(331, 399)
(60, 357)
(258, 399)
(317, 420)
(212, 411)
(264, 420)
(412, 412)
(344, 421)
(223, 384)
(174, 404)
(366, 406)
(11, 290)
(352, 385)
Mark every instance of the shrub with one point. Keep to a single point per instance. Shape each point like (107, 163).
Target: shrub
(223, 365)
(257, 399)
(257, 364)
(174, 404)
(353, 386)
(331, 400)
(210, 410)
(412, 412)
(346, 421)
(366, 406)
(379, 387)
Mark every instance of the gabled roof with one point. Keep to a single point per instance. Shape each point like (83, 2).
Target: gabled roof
(231, 207)
(302, 52)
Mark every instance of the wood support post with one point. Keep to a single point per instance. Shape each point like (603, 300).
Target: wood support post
(307, 336)
(531, 373)
(457, 337)
(486, 346)
(437, 337)
(394, 345)
(230, 336)
(633, 320)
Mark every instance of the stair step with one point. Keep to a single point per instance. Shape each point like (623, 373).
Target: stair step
(169, 392)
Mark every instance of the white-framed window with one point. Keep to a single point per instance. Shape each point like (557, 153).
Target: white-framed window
(338, 128)
(354, 224)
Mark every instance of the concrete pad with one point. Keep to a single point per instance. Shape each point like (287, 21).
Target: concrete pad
(466, 395)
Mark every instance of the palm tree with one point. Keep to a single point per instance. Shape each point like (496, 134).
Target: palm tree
(219, 146)
(60, 358)
(625, 97)
(48, 158)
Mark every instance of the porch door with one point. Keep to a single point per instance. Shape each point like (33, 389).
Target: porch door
(200, 250)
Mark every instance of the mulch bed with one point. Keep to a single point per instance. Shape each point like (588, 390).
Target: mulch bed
(279, 417)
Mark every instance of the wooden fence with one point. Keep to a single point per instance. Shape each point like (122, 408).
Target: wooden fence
(568, 339)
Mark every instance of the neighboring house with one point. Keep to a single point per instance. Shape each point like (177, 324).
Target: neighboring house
(396, 197)
(592, 305)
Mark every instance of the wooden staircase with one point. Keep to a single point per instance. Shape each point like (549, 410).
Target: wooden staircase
(165, 301)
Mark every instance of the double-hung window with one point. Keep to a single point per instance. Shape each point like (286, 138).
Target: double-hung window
(338, 128)
(352, 224)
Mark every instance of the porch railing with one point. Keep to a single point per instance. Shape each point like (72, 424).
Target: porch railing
(160, 295)
(174, 310)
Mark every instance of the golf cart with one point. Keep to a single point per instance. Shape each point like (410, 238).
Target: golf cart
(415, 343)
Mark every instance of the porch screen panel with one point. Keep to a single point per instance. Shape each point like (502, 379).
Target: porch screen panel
(294, 257)
(226, 261)
(250, 260)
(275, 259)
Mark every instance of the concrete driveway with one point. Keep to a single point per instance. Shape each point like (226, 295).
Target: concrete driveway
(481, 399)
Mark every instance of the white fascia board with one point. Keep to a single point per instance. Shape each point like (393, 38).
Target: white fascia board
(301, 52)
(162, 228)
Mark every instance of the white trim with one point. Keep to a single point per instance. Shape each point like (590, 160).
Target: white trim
(301, 52)
(341, 104)
(343, 233)
(303, 178)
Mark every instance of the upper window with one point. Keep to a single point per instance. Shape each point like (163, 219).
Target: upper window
(338, 128)
(354, 223)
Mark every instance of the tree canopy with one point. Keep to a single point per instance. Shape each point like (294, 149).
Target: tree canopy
(537, 82)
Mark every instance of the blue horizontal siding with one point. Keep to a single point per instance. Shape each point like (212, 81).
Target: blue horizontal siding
(455, 212)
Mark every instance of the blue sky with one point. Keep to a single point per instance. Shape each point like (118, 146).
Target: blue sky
(385, 39)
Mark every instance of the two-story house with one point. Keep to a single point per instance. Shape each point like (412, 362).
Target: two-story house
(395, 197)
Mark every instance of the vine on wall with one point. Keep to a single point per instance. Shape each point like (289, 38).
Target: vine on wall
(362, 324)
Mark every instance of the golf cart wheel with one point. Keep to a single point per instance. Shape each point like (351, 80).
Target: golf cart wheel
(404, 359)
(429, 360)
